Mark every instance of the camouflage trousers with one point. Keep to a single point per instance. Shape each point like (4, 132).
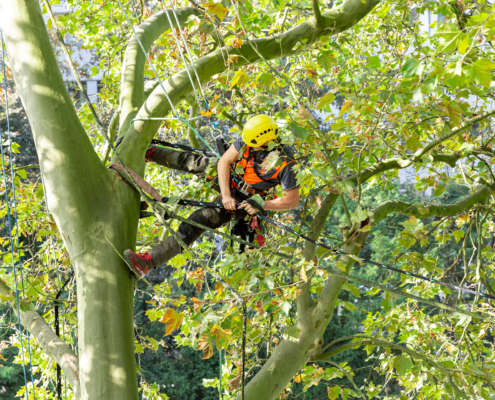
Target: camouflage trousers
(210, 217)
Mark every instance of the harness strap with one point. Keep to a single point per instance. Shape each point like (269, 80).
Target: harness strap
(145, 186)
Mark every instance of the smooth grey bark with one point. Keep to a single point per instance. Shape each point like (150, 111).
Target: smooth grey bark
(480, 196)
(95, 211)
(51, 344)
(132, 83)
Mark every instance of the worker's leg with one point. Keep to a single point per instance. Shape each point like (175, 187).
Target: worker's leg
(210, 217)
(179, 160)
(164, 251)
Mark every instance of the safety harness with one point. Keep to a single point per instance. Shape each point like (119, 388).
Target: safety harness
(250, 230)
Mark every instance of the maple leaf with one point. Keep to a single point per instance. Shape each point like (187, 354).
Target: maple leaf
(237, 43)
(303, 113)
(172, 319)
(205, 344)
(311, 72)
(196, 304)
(222, 336)
(234, 383)
(216, 9)
(260, 307)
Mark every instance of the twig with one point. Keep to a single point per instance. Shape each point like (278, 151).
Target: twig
(316, 10)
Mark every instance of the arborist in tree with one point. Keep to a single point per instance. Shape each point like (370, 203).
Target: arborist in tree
(249, 154)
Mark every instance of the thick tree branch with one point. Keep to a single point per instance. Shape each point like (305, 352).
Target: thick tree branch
(179, 87)
(333, 285)
(418, 211)
(63, 147)
(51, 344)
(443, 137)
(193, 113)
(132, 86)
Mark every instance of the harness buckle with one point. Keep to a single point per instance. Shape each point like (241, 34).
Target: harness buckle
(243, 187)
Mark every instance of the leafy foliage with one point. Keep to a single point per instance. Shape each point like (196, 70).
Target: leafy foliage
(357, 107)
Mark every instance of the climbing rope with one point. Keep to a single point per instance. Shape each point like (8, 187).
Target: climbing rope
(186, 46)
(57, 332)
(56, 301)
(177, 116)
(262, 215)
(12, 244)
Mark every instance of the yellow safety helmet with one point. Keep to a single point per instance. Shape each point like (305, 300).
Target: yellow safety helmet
(259, 129)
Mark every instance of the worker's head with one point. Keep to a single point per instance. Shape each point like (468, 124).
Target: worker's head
(259, 130)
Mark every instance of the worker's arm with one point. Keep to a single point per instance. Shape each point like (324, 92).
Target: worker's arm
(288, 201)
(223, 167)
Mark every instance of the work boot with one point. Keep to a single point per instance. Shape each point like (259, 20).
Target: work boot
(139, 263)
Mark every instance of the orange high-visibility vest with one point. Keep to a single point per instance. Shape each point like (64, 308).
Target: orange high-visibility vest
(250, 176)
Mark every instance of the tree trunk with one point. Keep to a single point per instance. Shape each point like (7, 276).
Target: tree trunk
(91, 206)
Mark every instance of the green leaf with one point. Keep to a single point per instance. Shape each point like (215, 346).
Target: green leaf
(22, 173)
(449, 35)
(463, 45)
(439, 190)
(272, 160)
(430, 84)
(292, 333)
(402, 364)
(411, 68)
(480, 72)
(240, 78)
(298, 131)
(418, 96)
(345, 187)
(458, 235)
(321, 173)
(387, 304)
(334, 392)
(178, 261)
(410, 224)
(373, 62)
(173, 200)
(239, 170)
(458, 67)
(353, 289)
(359, 215)
(326, 100)
(257, 198)
(413, 143)
(466, 148)
(15, 147)
(347, 305)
